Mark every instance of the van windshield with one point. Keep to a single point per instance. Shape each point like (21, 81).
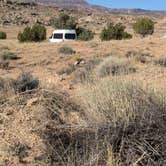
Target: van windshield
(58, 36)
(70, 36)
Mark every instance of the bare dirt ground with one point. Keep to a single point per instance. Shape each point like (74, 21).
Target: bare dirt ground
(44, 60)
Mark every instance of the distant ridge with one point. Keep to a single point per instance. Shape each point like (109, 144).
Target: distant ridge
(97, 8)
(65, 3)
(82, 4)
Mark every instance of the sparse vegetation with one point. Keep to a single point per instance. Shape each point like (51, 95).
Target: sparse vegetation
(36, 33)
(139, 56)
(3, 47)
(64, 22)
(116, 32)
(3, 35)
(84, 34)
(84, 73)
(67, 70)
(66, 50)
(161, 61)
(114, 66)
(132, 110)
(8, 56)
(67, 22)
(25, 82)
(144, 26)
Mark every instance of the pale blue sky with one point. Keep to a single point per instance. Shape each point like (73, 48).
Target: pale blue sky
(144, 4)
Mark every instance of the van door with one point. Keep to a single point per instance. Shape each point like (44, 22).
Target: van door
(57, 37)
(70, 36)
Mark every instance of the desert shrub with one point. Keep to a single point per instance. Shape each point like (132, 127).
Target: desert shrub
(116, 32)
(8, 56)
(38, 33)
(26, 81)
(135, 111)
(67, 70)
(35, 33)
(84, 73)
(144, 26)
(64, 22)
(3, 35)
(132, 54)
(3, 47)
(25, 35)
(66, 50)
(115, 100)
(139, 56)
(84, 34)
(161, 61)
(114, 66)
(7, 88)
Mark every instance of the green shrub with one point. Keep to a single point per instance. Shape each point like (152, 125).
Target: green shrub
(116, 32)
(66, 50)
(67, 22)
(64, 22)
(8, 56)
(84, 34)
(144, 26)
(38, 33)
(114, 66)
(26, 81)
(35, 33)
(3, 35)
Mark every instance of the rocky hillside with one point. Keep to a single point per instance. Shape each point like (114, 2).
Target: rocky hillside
(65, 3)
(84, 5)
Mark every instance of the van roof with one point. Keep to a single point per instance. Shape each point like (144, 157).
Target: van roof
(64, 31)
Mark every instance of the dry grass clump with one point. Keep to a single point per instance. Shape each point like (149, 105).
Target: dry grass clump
(113, 100)
(7, 88)
(85, 71)
(8, 56)
(26, 81)
(5, 56)
(68, 143)
(67, 70)
(139, 56)
(118, 123)
(134, 115)
(161, 61)
(66, 50)
(3, 47)
(114, 66)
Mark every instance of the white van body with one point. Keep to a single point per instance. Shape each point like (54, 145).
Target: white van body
(63, 35)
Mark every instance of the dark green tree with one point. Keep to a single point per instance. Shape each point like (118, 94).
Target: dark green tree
(116, 32)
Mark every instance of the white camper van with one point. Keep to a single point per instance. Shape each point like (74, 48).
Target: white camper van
(63, 35)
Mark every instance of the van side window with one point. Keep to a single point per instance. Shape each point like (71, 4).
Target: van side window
(58, 36)
(70, 36)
